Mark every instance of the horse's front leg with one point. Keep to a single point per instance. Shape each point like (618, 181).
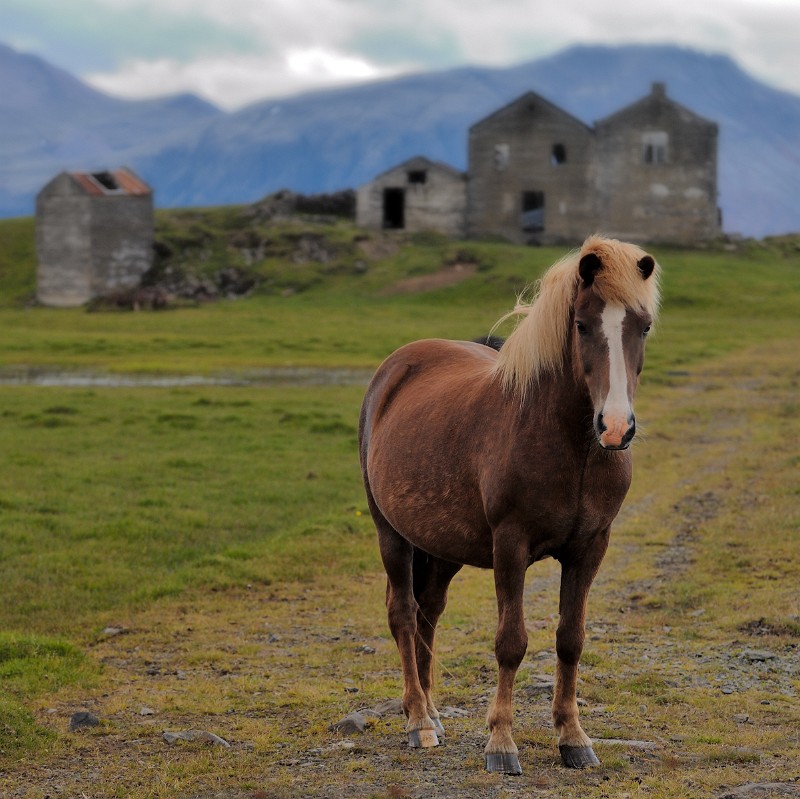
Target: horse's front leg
(576, 579)
(511, 641)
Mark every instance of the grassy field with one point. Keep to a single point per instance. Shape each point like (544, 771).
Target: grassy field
(203, 553)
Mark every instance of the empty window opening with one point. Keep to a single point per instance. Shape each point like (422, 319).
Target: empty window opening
(502, 153)
(532, 211)
(394, 209)
(418, 176)
(106, 180)
(558, 155)
(654, 147)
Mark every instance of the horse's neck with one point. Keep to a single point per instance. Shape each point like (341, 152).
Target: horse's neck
(560, 401)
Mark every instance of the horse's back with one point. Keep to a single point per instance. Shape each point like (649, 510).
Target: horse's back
(424, 372)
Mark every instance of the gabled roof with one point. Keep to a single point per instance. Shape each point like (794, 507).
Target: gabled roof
(114, 182)
(657, 98)
(421, 162)
(530, 101)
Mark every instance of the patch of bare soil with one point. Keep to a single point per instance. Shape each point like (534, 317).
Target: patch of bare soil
(450, 275)
(377, 247)
(691, 513)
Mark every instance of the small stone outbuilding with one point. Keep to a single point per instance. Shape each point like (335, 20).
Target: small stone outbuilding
(417, 195)
(94, 235)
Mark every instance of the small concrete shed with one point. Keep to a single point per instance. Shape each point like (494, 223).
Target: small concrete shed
(417, 195)
(94, 235)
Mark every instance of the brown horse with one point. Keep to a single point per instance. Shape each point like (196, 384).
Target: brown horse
(498, 460)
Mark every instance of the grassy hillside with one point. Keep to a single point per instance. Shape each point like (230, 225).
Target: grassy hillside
(328, 294)
(220, 533)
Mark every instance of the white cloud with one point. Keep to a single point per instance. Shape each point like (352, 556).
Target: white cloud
(319, 64)
(236, 81)
(297, 45)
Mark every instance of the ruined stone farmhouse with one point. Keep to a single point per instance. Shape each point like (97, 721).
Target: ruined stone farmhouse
(538, 175)
(94, 235)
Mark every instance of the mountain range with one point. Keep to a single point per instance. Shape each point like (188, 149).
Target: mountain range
(194, 154)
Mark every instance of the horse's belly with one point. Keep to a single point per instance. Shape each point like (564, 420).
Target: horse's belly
(434, 511)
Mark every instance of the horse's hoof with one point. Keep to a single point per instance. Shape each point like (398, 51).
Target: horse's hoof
(438, 727)
(503, 763)
(422, 739)
(578, 756)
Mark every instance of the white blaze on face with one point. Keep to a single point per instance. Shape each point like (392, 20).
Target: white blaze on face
(617, 409)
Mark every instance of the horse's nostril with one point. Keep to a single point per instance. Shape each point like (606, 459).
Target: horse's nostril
(601, 425)
(628, 437)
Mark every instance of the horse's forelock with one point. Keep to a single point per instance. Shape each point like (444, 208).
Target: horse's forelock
(538, 343)
(620, 279)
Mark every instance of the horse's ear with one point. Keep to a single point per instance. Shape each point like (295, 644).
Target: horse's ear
(646, 266)
(588, 268)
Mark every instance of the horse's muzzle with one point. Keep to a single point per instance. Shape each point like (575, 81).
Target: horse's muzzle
(615, 432)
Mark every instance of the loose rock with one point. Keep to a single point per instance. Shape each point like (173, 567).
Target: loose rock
(453, 712)
(390, 707)
(758, 655)
(195, 735)
(756, 790)
(642, 745)
(81, 720)
(351, 723)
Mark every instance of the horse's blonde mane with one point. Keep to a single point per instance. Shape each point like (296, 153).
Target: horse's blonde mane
(538, 343)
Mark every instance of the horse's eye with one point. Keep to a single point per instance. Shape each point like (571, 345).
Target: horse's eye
(646, 330)
(582, 329)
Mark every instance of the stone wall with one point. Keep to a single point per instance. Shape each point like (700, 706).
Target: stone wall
(531, 170)
(63, 222)
(657, 173)
(122, 242)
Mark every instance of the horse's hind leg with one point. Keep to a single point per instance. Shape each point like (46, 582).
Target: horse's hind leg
(576, 579)
(401, 607)
(432, 578)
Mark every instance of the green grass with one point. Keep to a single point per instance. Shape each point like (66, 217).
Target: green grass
(204, 519)
(714, 301)
(17, 261)
(29, 667)
(112, 498)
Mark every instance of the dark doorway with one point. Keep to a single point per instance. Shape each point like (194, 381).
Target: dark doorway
(533, 211)
(394, 209)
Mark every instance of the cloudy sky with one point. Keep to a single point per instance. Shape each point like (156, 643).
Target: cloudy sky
(233, 52)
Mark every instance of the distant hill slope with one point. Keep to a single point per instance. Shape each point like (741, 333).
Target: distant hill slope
(50, 121)
(195, 155)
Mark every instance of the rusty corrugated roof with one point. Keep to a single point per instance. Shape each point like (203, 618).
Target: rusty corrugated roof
(116, 181)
